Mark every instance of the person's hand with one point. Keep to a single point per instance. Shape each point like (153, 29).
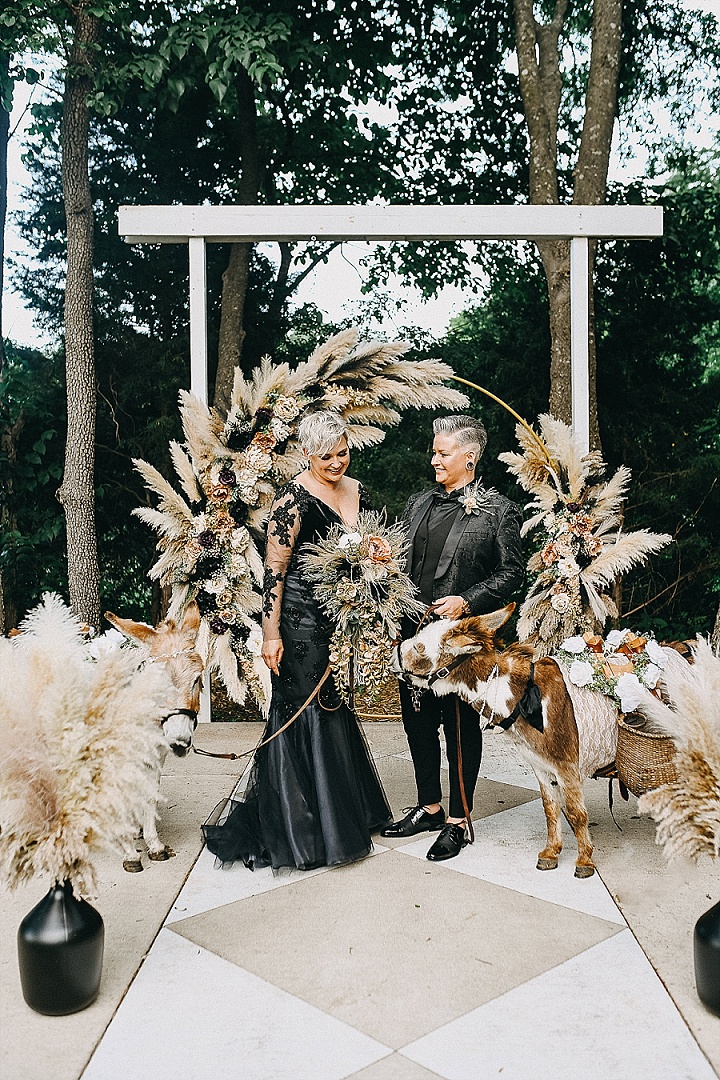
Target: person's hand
(449, 607)
(271, 653)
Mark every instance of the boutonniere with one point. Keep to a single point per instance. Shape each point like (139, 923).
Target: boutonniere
(475, 497)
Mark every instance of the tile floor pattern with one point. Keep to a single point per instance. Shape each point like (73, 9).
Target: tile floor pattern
(399, 969)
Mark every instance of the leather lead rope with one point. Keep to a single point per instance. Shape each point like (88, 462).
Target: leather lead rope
(286, 725)
(461, 779)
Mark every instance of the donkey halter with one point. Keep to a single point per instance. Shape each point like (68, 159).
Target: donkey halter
(191, 713)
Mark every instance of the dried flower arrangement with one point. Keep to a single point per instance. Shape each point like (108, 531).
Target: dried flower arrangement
(623, 666)
(229, 470)
(82, 744)
(687, 810)
(359, 583)
(582, 549)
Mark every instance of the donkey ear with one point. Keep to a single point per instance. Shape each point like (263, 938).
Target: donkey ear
(191, 618)
(494, 620)
(138, 631)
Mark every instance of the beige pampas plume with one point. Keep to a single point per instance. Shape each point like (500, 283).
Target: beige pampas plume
(229, 470)
(687, 810)
(81, 742)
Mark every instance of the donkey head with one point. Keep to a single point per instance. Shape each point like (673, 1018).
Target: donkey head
(172, 644)
(426, 659)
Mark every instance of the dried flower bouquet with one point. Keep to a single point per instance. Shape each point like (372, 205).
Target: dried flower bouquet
(359, 583)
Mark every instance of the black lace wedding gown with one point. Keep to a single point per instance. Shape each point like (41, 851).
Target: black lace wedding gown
(313, 796)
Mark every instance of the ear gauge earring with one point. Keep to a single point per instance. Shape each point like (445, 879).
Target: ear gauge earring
(469, 466)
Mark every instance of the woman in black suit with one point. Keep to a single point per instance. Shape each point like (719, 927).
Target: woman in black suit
(464, 555)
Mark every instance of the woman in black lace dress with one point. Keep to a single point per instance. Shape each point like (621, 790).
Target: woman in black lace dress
(314, 796)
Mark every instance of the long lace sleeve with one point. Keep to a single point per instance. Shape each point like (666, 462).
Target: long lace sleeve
(282, 532)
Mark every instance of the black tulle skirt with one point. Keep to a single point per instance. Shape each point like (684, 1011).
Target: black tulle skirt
(313, 797)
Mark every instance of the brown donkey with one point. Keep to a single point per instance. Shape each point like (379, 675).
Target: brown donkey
(173, 645)
(563, 738)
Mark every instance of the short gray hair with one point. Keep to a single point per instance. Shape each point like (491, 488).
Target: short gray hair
(466, 430)
(319, 431)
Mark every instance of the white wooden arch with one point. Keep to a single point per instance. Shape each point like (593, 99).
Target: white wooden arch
(198, 226)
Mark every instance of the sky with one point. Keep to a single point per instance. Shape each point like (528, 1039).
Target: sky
(335, 288)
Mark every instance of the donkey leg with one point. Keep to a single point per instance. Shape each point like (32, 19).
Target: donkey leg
(131, 858)
(577, 815)
(548, 857)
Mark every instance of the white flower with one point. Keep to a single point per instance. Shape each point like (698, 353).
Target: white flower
(630, 691)
(254, 641)
(656, 653)
(574, 645)
(615, 638)
(199, 524)
(568, 568)
(240, 538)
(650, 675)
(106, 643)
(560, 602)
(549, 521)
(348, 540)
(216, 585)
(581, 673)
(286, 408)
(280, 430)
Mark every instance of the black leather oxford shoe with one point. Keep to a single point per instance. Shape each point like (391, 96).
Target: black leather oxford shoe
(449, 843)
(417, 821)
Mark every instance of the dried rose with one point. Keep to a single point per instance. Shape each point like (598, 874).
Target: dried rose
(220, 493)
(378, 549)
(560, 602)
(224, 522)
(228, 616)
(207, 538)
(549, 554)
(264, 440)
(227, 476)
(193, 549)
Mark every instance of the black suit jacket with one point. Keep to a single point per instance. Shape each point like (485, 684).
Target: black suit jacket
(481, 559)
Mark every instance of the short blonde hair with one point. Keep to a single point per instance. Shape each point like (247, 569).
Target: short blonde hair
(319, 431)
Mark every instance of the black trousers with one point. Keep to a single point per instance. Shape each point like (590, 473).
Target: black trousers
(423, 734)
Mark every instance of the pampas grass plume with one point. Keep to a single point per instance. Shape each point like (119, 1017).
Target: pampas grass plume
(82, 744)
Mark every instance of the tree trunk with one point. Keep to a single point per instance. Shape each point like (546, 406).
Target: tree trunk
(235, 278)
(77, 493)
(6, 612)
(540, 87)
(4, 137)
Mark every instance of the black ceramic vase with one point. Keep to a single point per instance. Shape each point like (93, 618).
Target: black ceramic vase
(60, 952)
(707, 958)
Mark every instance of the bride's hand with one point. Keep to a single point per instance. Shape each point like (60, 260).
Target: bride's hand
(271, 653)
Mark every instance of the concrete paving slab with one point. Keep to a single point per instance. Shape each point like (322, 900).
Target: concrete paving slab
(604, 1013)
(393, 946)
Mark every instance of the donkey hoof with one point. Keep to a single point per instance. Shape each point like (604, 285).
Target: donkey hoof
(547, 864)
(584, 871)
(161, 856)
(133, 866)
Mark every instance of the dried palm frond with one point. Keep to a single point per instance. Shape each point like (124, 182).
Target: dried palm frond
(82, 739)
(687, 810)
(581, 549)
(229, 470)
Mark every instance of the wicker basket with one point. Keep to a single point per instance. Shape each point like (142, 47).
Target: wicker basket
(384, 704)
(644, 759)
